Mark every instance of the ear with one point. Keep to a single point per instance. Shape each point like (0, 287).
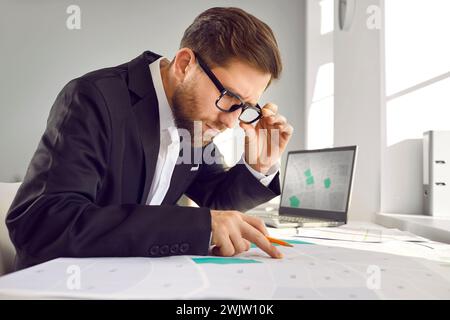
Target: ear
(184, 62)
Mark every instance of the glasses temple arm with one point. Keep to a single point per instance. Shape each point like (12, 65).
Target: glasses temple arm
(211, 75)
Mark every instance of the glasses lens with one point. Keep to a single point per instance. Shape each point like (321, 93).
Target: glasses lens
(249, 115)
(227, 101)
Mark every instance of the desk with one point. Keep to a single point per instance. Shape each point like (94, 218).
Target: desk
(433, 228)
(312, 269)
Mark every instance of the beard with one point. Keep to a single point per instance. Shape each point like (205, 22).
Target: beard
(183, 105)
(184, 110)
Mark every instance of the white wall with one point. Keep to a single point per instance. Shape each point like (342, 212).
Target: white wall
(39, 55)
(402, 178)
(359, 92)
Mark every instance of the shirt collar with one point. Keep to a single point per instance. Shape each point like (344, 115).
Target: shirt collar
(165, 113)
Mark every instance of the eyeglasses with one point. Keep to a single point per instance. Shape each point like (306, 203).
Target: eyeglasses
(229, 101)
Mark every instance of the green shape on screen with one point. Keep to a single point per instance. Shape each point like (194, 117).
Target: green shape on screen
(223, 260)
(294, 202)
(308, 173)
(310, 181)
(327, 183)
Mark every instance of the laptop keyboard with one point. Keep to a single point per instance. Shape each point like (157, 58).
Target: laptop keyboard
(285, 218)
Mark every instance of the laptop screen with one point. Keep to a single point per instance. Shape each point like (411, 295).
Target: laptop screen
(317, 183)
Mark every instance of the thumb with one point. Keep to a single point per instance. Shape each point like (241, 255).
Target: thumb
(245, 126)
(250, 132)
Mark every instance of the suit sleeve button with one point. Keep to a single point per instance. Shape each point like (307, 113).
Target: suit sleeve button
(154, 251)
(164, 250)
(184, 248)
(174, 248)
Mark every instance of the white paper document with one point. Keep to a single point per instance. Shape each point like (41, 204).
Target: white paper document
(307, 271)
(369, 235)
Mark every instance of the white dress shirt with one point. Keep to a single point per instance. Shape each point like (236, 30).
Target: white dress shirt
(169, 147)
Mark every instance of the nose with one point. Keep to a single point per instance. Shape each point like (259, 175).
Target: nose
(229, 119)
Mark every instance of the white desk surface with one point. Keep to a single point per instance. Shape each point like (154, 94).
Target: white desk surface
(428, 249)
(433, 228)
(406, 267)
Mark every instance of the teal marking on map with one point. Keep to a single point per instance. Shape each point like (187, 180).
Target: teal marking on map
(297, 242)
(327, 183)
(310, 181)
(223, 260)
(294, 202)
(308, 173)
(288, 241)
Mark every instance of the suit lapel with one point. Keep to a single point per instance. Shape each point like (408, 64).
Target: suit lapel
(182, 176)
(146, 113)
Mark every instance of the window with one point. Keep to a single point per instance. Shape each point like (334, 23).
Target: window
(410, 115)
(321, 113)
(319, 74)
(417, 68)
(327, 16)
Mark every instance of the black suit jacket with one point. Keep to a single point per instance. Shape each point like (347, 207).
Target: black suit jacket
(85, 189)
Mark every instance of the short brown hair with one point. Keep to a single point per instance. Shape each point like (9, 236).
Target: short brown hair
(221, 34)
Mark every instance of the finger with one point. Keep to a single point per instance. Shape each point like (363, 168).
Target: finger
(271, 106)
(248, 244)
(275, 119)
(246, 126)
(280, 136)
(288, 129)
(223, 245)
(238, 243)
(283, 128)
(250, 131)
(254, 235)
(287, 133)
(285, 137)
(256, 222)
(266, 112)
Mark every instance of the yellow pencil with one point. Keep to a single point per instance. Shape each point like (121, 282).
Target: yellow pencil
(278, 241)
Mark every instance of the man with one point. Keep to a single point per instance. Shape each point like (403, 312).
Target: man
(106, 176)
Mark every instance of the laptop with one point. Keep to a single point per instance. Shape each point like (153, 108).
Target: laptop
(316, 190)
